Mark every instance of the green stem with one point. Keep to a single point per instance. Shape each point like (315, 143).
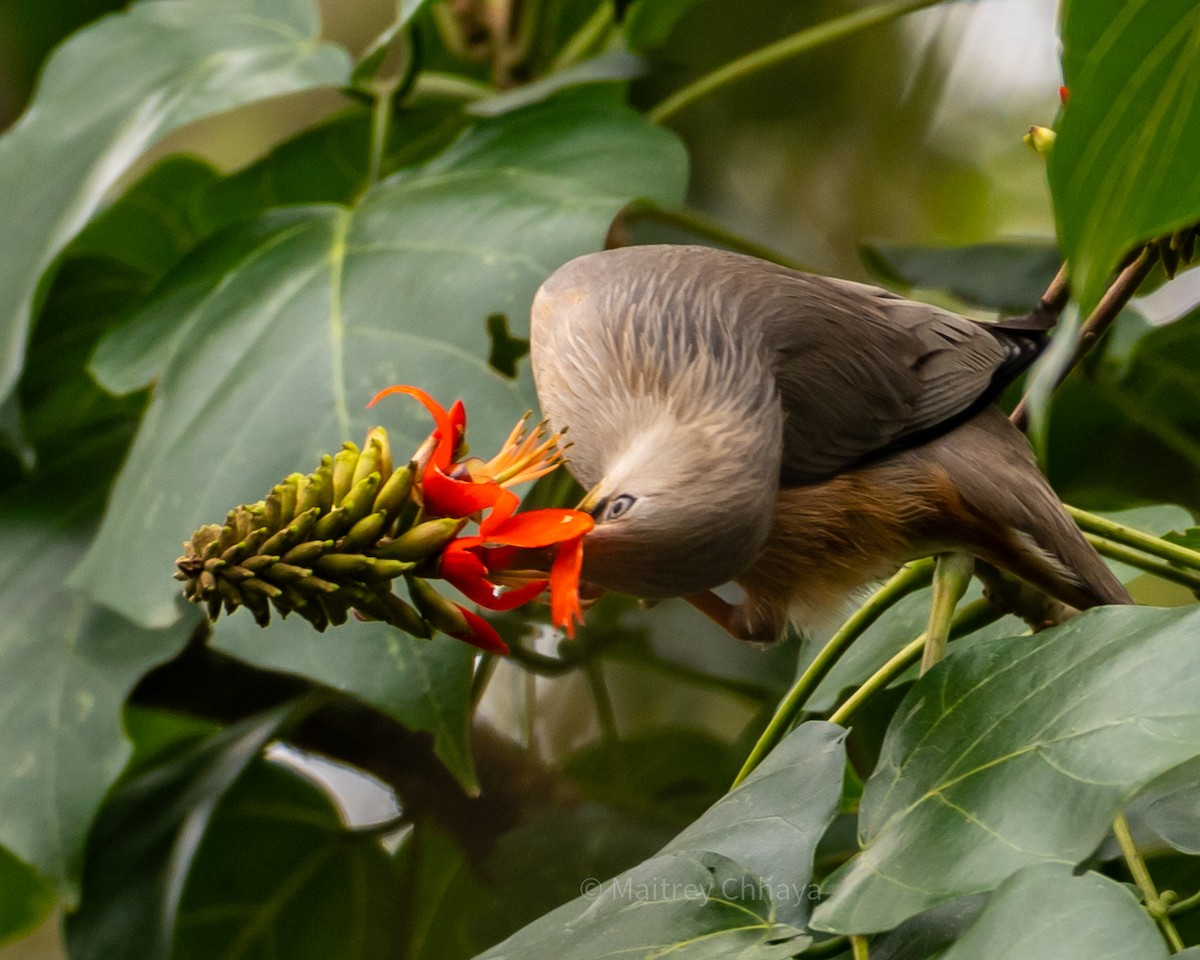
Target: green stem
(908, 579)
(1115, 551)
(585, 38)
(1101, 318)
(1141, 876)
(826, 948)
(977, 614)
(381, 119)
(859, 948)
(701, 226)
(1111, 530)
(784, 49)
(451, 86)
(951, 578)
(1183, 907)
(482, 677)
(540, 663)
(605, 714)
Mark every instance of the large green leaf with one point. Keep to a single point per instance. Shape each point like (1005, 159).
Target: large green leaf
(648, 23)
(145, 839)
(1170, 807)
(64, 409)
(1004, 276)
(1044, 911)
(668, 771)
(443, 896)
(25, 897)
(113, 90)
(279, 875)
(424, 684)
(1015, 752)
(70, 665)
(736, 883)
(1128, 430)
(272, 356)
(154, 223)
(1122, 169)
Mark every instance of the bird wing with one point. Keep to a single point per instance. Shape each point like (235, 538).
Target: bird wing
(862, 371)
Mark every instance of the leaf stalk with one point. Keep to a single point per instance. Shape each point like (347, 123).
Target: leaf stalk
(800, 42)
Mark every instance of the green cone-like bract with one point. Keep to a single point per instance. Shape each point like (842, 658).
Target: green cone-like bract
(322, 545)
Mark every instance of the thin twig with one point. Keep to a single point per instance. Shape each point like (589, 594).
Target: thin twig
(585, 38)
(1141, 876)
(696, 224)
(1107, 310)
(977, 614)
(1131, 537)
(780, 50)
(910, 578)
(1182, 908)
(1164, 571)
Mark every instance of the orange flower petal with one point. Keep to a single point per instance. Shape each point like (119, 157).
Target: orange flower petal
(464, 570)
(539, 528)
(564, 586)
(447, 497)
(503, 507)
(449, 428)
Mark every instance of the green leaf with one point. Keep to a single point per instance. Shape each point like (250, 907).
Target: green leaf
(145, 839)
(692, 905)
(181, 201)
(1122, 169)
(543, 863)
(1015, 752)
(648, 23)
(424, 684)
(70, 665)
(668, 770)
(278, 874)
(736, 883)
(145, 73)
(1170, 807)
(1003, 276)
(65, 410)
(1129, 431)
(1044, 911)
(443, 896)
(613, 67)
(933, 930)
(273, 355)
(157, 221)
(25, 898)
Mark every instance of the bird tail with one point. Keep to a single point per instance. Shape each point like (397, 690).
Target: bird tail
(1022, 526)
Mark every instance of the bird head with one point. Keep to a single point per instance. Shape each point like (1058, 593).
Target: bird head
(674, 423)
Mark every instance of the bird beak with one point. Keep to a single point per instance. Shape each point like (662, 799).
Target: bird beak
(590, 501)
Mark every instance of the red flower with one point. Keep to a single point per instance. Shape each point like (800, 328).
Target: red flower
(453, 489)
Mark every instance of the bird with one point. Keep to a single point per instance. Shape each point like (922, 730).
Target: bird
(802, 436)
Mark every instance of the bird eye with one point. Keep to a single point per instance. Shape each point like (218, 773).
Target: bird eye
(618, 506)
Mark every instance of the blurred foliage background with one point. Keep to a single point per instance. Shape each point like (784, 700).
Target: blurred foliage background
(908, 135)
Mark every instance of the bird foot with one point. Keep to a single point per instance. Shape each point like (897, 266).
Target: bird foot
(734, 619)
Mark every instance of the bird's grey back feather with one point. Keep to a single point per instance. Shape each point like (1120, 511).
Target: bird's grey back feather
(860, 371)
